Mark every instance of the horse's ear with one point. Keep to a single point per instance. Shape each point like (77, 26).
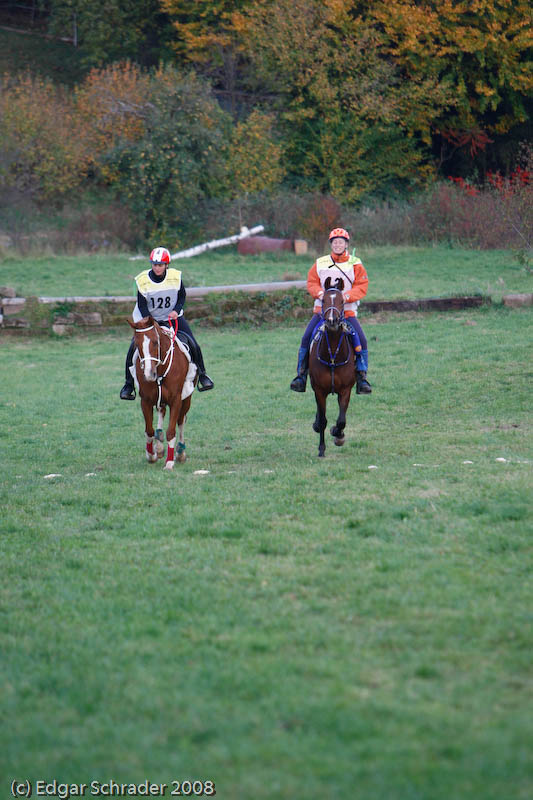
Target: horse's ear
(327, 283)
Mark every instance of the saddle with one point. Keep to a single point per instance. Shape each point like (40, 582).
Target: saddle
(348, 330)
(185, 339)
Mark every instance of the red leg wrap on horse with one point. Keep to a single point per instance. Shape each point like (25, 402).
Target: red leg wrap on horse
(170, 454)
(149, 448)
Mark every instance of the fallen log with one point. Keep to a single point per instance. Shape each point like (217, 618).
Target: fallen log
(202, 248)
(427, 304)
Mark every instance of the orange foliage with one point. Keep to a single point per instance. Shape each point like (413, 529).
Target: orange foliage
(44, 150)
(204, 28)
(111, 103)
(481, 48)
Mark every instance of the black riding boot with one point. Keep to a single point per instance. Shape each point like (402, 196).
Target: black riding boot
(362, 385)
(204, 381)
(361, 366)
(128, 390)
(299, 382)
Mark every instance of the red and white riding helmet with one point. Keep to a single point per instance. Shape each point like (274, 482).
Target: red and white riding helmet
(160, 255)
(339, 232)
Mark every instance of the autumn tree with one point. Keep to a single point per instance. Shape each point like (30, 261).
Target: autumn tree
(204, 37)
(163, 142)
(44, 152)
(179, 161)
(112, 105)
(254, 156)
(350, 124)
(481, 48)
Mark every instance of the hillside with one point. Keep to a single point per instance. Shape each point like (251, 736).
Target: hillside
(32, 50)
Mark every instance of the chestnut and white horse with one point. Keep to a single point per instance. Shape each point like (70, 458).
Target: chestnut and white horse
(166, 377)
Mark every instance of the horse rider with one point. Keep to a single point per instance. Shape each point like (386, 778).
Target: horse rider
(341, 271)
(161, 294)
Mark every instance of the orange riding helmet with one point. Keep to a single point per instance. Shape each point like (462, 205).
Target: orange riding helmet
(339, 232)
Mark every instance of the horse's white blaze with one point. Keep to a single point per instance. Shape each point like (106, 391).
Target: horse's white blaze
(149, 370)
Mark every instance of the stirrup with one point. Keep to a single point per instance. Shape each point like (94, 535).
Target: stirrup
(128, 392)
(299, 383)
(204, 382)
(362, 384)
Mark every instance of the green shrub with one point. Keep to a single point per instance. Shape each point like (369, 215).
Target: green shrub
(177, 162)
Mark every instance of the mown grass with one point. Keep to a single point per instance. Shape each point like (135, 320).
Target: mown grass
(394, 272)
(287, 626)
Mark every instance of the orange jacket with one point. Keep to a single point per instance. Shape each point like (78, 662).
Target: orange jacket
(350, 273)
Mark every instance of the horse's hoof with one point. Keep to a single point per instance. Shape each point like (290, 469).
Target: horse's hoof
(321, 455)
(181, 457)
(169, 465)
(151, 458)
(339, 442)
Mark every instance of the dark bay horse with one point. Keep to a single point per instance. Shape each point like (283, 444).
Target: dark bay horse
(331, 366)
(164, 374)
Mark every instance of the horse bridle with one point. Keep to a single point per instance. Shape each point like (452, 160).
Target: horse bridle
(339, 313)
(332, 362)
(158, 361)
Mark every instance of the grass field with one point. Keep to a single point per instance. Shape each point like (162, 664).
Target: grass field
(283, 625)
(395, 272)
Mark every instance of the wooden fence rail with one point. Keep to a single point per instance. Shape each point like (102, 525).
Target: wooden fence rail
(64, 313)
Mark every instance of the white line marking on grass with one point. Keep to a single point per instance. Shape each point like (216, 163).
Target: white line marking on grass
(372, 466)
(201, 472)
(502, 459)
